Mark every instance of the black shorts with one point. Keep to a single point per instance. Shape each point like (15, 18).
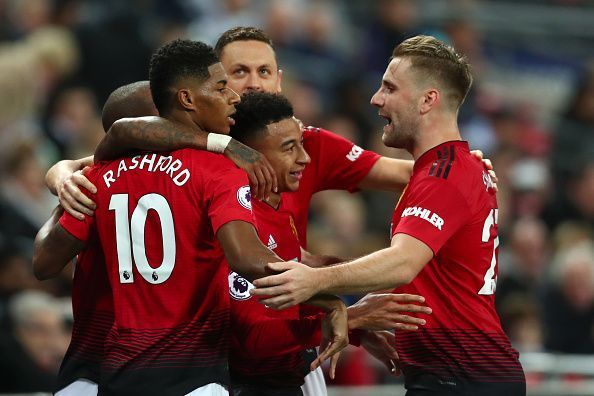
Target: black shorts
(428, 385)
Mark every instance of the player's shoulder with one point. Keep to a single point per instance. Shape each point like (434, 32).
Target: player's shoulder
(205, 159)
(311, 130)
(317, 133)
(98, 168)
(446, 162)
(451, 166)
(315, 138)
(449, 163)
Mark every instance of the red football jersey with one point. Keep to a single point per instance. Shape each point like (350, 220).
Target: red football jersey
(450, 205)
(268, 347)
(336, 164)
(157, 218)
(92, 310)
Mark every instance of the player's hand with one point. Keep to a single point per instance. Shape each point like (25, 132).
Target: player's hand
(260, 173)
(387, 311)
(335, 337)
(72, 199)
(488, 166)
(293, 286)
(380, 344)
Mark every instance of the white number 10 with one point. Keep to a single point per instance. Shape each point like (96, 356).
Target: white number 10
(134, 228)
(490, 279)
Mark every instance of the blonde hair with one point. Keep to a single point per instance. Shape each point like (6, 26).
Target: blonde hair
(433, 60)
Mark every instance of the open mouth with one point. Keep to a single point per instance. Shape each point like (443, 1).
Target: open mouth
(388, 119)
(297, 175)
(231, 119)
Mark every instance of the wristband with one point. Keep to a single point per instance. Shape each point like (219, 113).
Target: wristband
(217, 143)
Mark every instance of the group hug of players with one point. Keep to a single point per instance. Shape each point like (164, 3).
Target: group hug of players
(191, 195)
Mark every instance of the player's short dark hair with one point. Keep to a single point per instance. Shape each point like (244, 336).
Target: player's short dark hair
(131, 100)
(256, 111)
(435, 61)
(176, 60)
(241, 33)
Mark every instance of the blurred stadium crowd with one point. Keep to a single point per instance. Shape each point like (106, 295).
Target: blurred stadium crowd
(531, 111)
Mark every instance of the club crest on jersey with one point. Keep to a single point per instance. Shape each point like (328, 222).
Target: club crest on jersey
(239, 287)
(487, 181)
(244, 197)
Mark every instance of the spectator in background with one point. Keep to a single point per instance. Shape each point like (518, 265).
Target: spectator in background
(530, 187)
(574, 137)
(29, 69)
(569, 302)
(319, 49)
(338, 223)
(26, 16)
(524, 267)
(522, 274)
(572, 157)
(24, 201)
(575, 201)
(73, 121)
(216, 16)
(521, 319)
(117, 35)
(15, 276)
(32, 351)
(394, 21)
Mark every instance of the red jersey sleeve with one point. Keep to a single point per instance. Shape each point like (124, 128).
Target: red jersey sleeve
(340, 164)
(80, 229)
(433, 212)
(228, 196)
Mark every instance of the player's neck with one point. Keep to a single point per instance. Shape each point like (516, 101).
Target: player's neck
(435, 132)
(182, 117)
(273, 200)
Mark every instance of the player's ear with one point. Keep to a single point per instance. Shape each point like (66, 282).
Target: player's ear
(430, 99)
(185, 98)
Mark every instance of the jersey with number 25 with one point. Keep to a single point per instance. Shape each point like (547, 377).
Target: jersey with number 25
(157, 217)
(450, 205)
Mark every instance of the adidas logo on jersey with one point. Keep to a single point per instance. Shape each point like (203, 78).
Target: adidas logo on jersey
(272, 243)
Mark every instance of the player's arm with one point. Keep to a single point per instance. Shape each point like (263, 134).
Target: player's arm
(387, 312)
(387, 174)
(387, 268)
(64, 179)
(54, 247)
(318, 260)
(244, 252)
(248, 257)
(159, 134)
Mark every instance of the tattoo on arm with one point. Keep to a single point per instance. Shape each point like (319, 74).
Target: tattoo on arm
(149, 133)
(244, 152)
